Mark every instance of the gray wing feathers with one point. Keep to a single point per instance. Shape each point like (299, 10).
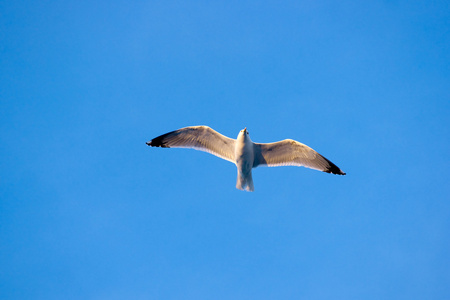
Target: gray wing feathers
(292, 153)
(201, 138)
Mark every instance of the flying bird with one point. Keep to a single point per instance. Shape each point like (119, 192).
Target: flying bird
(245, 153)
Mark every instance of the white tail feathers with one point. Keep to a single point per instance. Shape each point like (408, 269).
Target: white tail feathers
(245, 182)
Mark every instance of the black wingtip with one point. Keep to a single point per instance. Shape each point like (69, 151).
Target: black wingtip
(158, 141)
(332, 168)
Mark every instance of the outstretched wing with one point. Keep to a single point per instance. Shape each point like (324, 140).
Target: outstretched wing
(292, 153)
(201, 138)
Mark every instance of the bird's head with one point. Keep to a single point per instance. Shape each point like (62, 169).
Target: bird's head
(243, 134)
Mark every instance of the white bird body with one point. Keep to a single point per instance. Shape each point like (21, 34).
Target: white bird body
(245, 153)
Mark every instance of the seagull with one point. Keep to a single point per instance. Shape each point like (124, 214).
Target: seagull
(244, 153)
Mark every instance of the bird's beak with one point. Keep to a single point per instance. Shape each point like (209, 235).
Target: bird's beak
(245, 129)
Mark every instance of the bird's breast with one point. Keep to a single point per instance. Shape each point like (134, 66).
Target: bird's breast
(244, 155)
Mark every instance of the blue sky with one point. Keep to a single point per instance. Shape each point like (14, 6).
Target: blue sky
(88, 211)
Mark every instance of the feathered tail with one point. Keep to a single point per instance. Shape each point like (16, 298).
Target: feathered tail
(245, 182)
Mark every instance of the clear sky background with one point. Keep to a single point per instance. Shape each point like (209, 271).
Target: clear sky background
(88, 211)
